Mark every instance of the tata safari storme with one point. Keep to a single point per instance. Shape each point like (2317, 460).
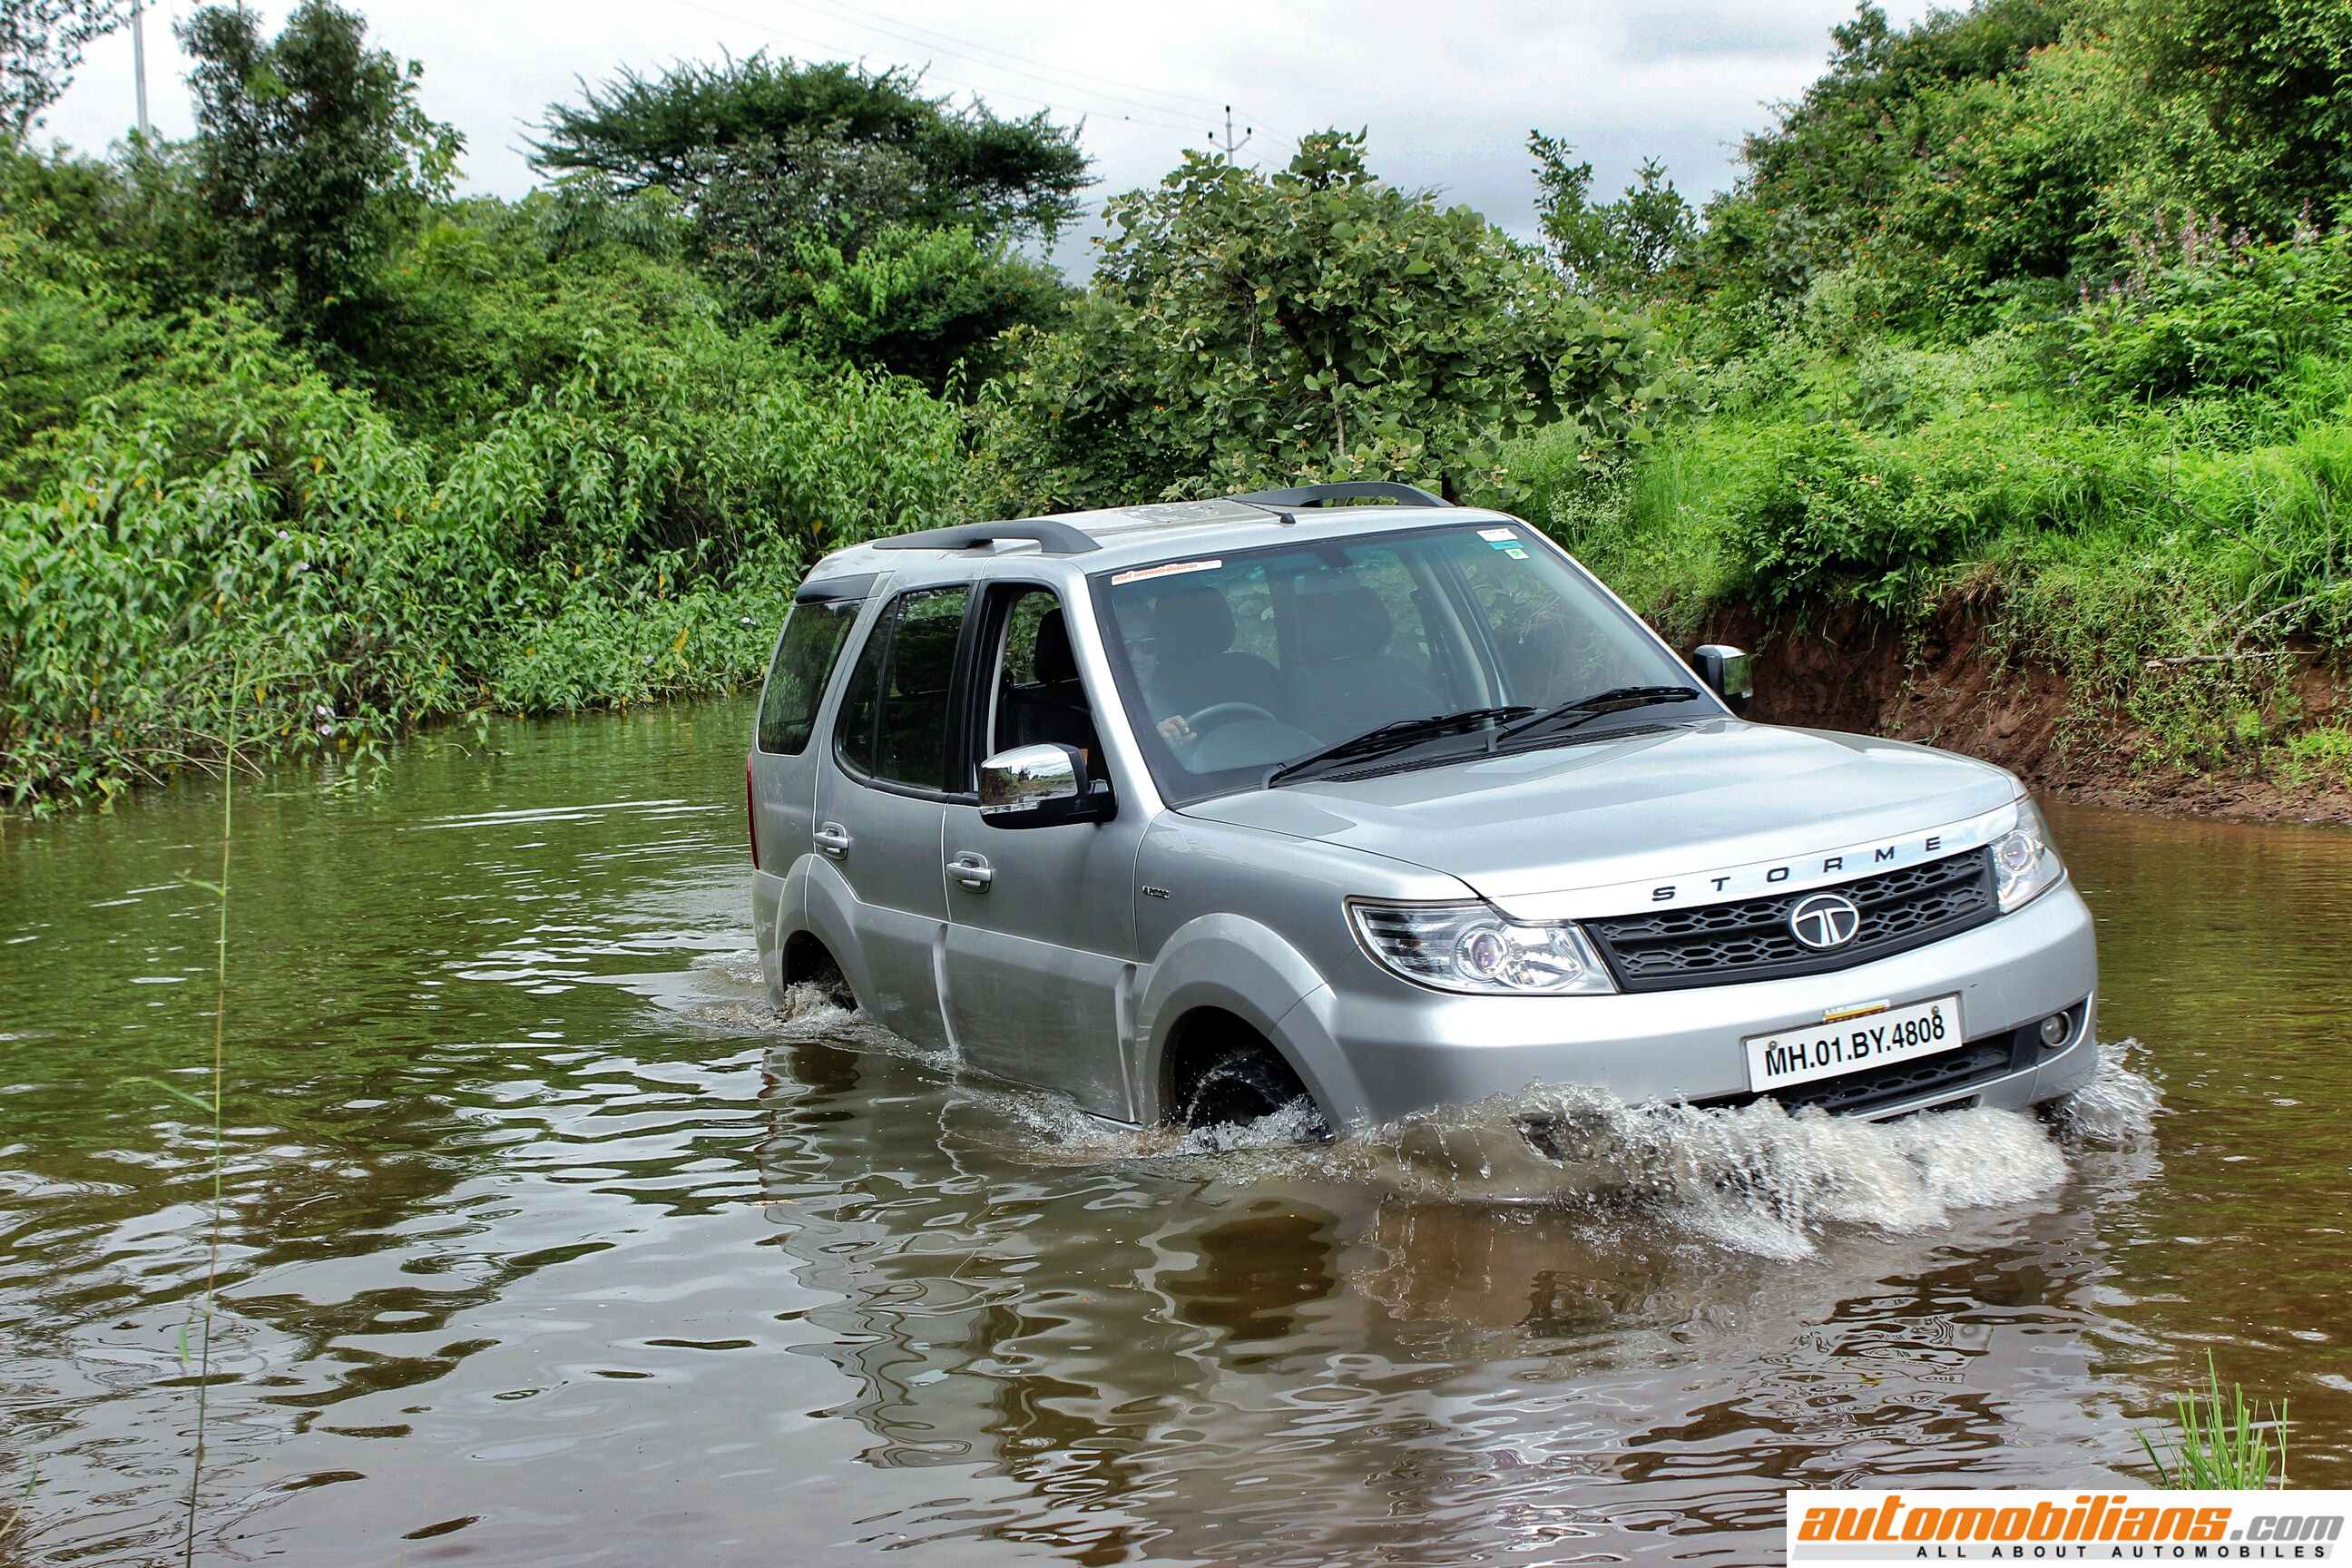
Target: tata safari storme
(1188, 811)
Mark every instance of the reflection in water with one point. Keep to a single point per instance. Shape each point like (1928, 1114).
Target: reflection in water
(547, 1241)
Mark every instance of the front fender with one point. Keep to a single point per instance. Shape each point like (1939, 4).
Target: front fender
(1233, 963)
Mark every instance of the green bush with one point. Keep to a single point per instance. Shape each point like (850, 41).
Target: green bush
(1834, 515)
(234, 527)
(2214, 315)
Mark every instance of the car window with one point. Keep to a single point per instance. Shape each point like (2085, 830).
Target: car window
(1017, 657)
(805, 655)
(1301, 634)
(894, 716)
(1037, 697)
(1230, 665)
(1551, 636)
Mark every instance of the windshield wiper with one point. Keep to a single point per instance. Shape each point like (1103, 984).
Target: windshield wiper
(1399, 732)
(1617, 700)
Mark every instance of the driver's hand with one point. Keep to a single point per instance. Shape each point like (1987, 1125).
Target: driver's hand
(1177, 729)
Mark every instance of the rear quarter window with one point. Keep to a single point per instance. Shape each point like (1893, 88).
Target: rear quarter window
(797, 676)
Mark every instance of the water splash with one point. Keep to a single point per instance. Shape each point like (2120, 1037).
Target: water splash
(1757, 1179)
(2117, 1108)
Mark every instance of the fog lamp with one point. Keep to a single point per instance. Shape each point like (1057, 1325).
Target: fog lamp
(2054, 1030)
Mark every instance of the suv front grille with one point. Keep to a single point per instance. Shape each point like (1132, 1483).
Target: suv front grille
(1725, 944)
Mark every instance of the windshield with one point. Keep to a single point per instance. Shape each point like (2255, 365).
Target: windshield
(1232, 666)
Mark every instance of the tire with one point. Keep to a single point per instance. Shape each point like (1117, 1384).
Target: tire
(1244, 1084)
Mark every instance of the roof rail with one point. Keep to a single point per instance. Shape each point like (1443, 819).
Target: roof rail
(1346, 489)
(1050, 537)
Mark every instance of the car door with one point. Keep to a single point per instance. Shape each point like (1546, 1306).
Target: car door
(1041, 919)
(880, 798)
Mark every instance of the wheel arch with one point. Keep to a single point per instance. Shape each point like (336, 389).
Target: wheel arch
(1225, 972)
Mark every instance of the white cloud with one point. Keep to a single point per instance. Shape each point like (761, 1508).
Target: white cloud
(1448, 92)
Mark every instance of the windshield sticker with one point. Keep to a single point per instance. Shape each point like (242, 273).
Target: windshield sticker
(1493, 535)
(1168, 570)
(1514, 552)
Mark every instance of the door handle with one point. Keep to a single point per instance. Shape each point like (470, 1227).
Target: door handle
(832, 837)
(972, 871)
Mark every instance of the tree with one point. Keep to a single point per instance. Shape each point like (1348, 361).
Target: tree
(1817, 185)
(1624, 247)
(1314, 323)
(41, 42)
(2267, 89)
(315, 160)
(833, 149)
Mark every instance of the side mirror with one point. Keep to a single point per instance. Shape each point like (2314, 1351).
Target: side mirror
(1040, 786)
(1726, 671)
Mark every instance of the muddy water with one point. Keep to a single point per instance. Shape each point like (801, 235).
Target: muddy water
(545, 1240)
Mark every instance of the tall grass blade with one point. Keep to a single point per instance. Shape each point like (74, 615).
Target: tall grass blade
(2221, 1446)
(220, 1039)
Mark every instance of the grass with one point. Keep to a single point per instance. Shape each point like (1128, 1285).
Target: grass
(2168, 561)
(2220, 1446)
(2322, 756)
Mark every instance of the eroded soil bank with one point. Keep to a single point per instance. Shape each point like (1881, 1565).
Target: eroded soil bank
(1951, 684)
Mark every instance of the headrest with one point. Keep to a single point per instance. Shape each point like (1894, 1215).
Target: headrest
(1344, 623)
(1191, 622)
(1055, 662)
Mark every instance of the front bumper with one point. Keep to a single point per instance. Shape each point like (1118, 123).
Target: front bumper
(1408, 1049)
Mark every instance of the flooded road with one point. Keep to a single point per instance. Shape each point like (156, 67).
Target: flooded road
(547, 1241)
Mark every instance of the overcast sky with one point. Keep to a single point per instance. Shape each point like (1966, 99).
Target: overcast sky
(1448, 89)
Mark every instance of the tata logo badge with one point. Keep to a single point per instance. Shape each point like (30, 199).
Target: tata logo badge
(1824, 921)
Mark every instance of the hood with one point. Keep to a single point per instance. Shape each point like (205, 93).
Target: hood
(1648, 807)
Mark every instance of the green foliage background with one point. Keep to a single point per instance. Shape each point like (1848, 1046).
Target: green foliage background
(2042, 306)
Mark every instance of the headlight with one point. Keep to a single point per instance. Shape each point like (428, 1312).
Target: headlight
(1471, 948)
(2025, 864)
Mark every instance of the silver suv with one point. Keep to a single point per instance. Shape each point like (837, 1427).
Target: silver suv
(1188, 811)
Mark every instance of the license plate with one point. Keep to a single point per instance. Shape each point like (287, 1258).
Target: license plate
(1825, 1051)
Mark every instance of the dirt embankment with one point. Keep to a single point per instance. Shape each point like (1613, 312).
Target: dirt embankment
(1951, 686)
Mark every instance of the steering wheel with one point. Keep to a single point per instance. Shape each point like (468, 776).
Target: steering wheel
(1217, 715)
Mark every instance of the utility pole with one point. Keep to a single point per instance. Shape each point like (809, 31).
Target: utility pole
(1229, 146)
(139, 60)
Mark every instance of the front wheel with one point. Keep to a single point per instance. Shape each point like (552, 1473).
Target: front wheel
(1247, 1084)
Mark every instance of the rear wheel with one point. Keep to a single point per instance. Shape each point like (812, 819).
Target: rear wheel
(1247, 1083)
(807, 963)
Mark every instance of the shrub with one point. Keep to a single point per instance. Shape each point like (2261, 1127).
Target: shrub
(2203, 312)
(235, 518)
(1835, 516)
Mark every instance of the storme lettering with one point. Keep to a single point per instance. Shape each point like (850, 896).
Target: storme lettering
(1802, 872)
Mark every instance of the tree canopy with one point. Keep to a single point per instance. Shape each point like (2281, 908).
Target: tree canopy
(1626, 246)
(846, 149)
(314, 158)
(40, 44)
(1316, 322)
